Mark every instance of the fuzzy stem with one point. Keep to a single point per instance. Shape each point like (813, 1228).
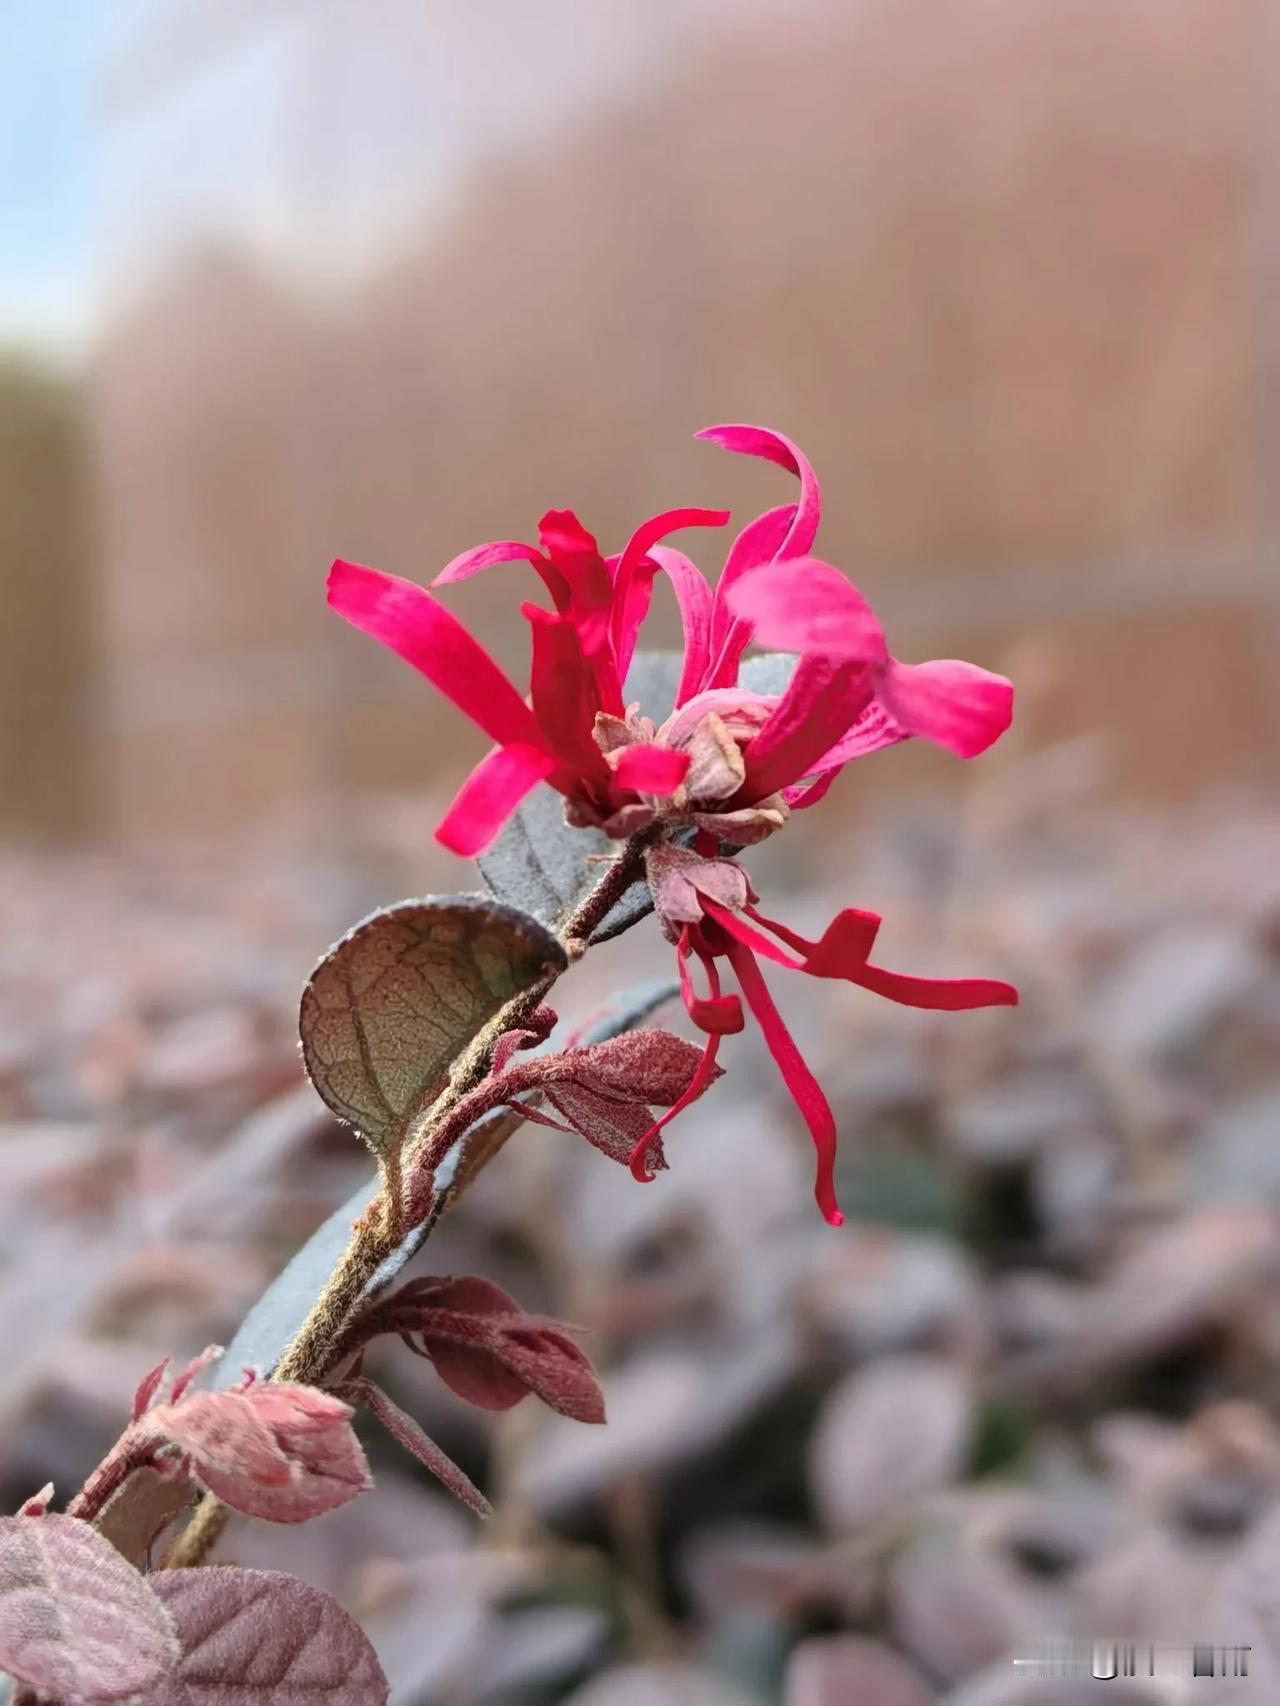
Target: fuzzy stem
(134, 1449)
(310, 1355)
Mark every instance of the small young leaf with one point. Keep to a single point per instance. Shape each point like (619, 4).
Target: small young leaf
(76, 1620)
(272, 1450)
(261, 1638)
(391, 1006)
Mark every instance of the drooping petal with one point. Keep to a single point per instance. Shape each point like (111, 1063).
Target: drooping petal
(693, 596)
(824, 697)
(805, 1090)
(953, 703)
(717, 1014)
(800, 795)
(759, 542)
(775, 447)
(633, 577)
(806, 605)
(489, 796)
(704, 1076)
(842, 953)
(406, 618)
(468, 563)
(648, 769)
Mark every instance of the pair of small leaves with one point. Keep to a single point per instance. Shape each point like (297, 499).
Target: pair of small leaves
(487, 1349)
(541, 865)
(79, 1623)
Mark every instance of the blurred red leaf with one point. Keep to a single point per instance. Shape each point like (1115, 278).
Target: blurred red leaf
(258, 1638)
(76, 1620)
(272, 1450)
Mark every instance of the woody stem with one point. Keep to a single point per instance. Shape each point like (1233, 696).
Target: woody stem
(373, 1238)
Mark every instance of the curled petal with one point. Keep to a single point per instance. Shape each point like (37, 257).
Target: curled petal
(717, 1014)
(641, 1158)
(489, 796)
(468, 563)
(806, 605)
(693, 596)
(634, 570)
(955, 704)
(759, 542)
(775, 447)
(406, 618)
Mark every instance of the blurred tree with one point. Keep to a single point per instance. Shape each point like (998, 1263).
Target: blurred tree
(46, 718)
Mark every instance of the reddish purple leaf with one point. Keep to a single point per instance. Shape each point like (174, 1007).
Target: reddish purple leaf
(652, 1068)
(75, 1619)
(260, 1638)
(489, 1351)
(272, 1450)
(407, 1432)
(614, 1128)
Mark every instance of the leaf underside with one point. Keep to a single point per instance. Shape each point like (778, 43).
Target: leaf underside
(391, 1006)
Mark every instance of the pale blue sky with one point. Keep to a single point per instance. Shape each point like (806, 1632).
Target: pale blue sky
(47, 53)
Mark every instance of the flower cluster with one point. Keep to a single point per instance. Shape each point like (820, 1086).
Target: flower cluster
(726, 768)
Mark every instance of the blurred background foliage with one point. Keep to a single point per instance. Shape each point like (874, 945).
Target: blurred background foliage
(283, 281)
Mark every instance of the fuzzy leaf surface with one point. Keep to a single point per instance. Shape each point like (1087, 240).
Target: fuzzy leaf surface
(274, 1450)
(261, 1638)
(490, 1352)
(391, 1006)
(76, 1620)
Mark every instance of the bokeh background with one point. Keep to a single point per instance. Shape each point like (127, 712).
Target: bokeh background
(281, 281)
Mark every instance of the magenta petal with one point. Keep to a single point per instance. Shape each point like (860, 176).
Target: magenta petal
(469, 563)
(806, 1092)
(648, 769)
(823, 698)
(406, 618)
(774, 447)
(759, 542)
(489, 796)
(871, 731)
(632, 576)
(955, 704)
(806, 605)
(937, 994)
(693, 596)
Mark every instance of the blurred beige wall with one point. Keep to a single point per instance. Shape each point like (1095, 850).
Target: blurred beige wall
(1001, 267)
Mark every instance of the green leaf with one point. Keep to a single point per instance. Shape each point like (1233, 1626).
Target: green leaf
(540, 864)
(274, 1320)
(391, 1006)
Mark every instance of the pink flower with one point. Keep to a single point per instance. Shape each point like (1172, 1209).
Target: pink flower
(727, 766)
